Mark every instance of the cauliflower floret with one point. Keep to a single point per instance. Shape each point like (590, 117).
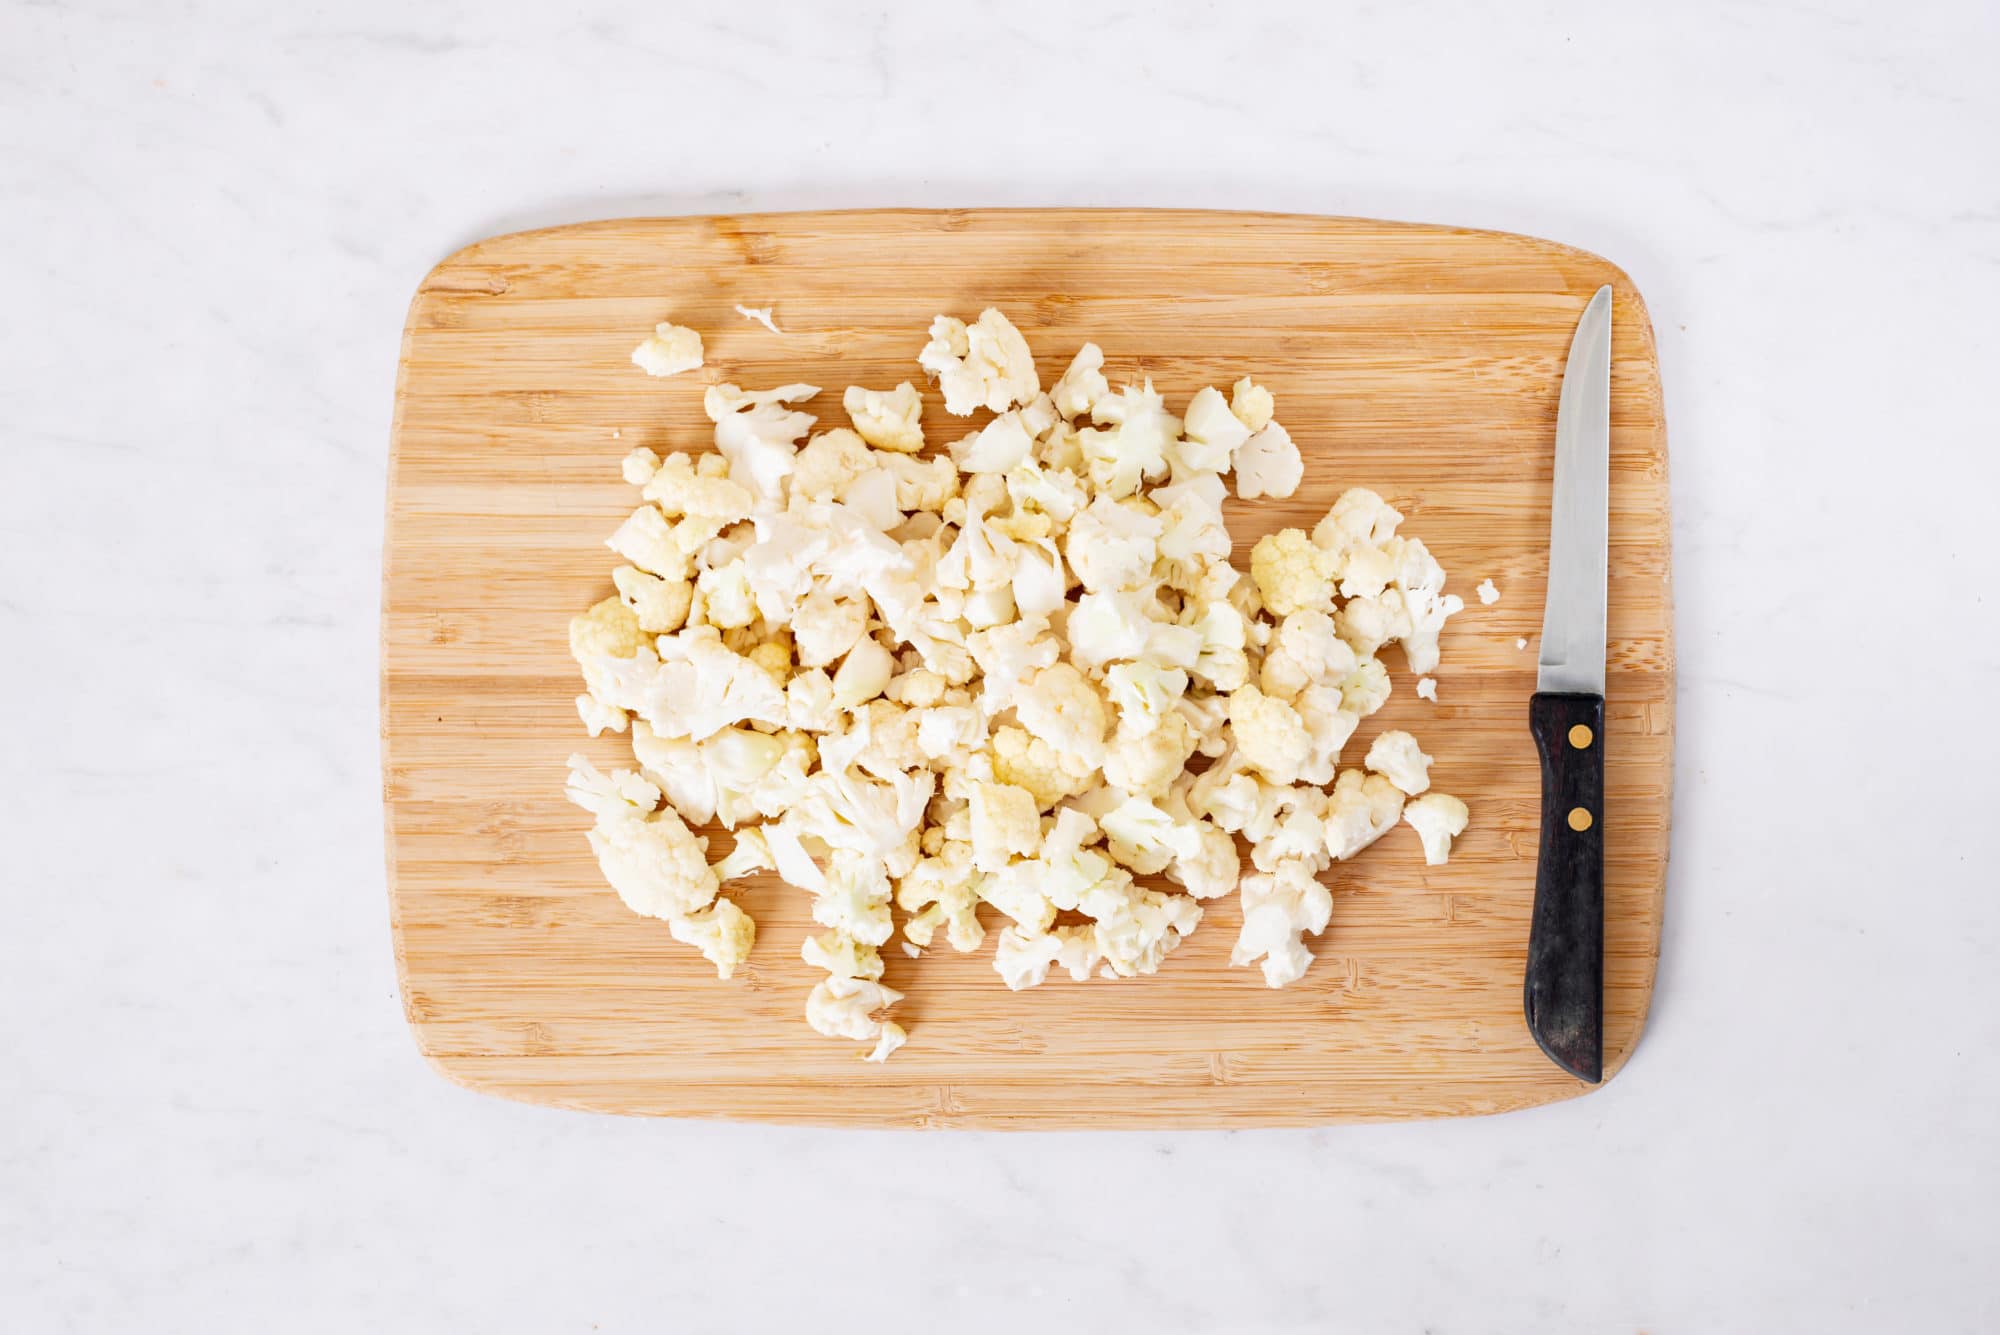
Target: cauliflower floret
(829, 463)
(1213, 434)
(1291, 827)
(1251, 403)
(1059, 705)
(1427, 689)
(1208, 715)
(1136, 929)
(639, 466)
(1366, 689)
(1369, 623)
(722, 932)
(863, 674)
(655, 863)
(1488, 594)
(661, 605)
(1292, 575)
(608, 629)
(679, 488)
(1223, 661)
(728, 602)
(1023, 958)
(1360, 810)
(1083, 384)
(1144, 837)
(998, 447)
(887, 419)
(1329, 724)
(1208, 866)
(1031, 763)
(1112, 546)
(982, 365)
(826, 627)
(855, 899)
(1277, 907)
(841, 1008)
(649, 542)
(1438, 818)
(943, 888)
(1009, 656)
(809, 702)
(1396, 756)
(672, 349)
(1305, 650)
(1005, 821)
(1136, 450)
(920, 688)
(1420, 579)
(1270, 735)
(1359, 518)
(841, 955)
(1147, 763)
(1016, 890)
(1365, 572)
(599, 717)
(1268, 464)
(922, 484)
(757, 434)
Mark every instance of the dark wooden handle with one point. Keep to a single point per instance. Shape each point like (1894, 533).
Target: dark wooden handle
(1565, 987)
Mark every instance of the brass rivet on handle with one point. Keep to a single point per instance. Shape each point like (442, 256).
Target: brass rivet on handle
(1580, 736)
(1579, 819)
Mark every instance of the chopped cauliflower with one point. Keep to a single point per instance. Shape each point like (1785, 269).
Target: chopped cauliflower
(1396, 756)
(671, 349)
(983, 677)
(1427, 689)
(1488, 594)
(887, 419)
(985, 364)
(1268, 464)
(759, 315)
(1291, 573)
(1438, 818)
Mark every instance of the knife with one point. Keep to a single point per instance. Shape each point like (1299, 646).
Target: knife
(1564, 992)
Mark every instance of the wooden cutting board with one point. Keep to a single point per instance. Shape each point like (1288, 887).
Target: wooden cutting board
(1424, 362)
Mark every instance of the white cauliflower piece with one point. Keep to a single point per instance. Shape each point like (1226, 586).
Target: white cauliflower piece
(841, 955)
(1031, 763)
(656, 864)
(887, 419)
(660, 605)
(672, 349)
(1059, 705)
(1291, 574)
(722, 932)
(1251, 403)
(982, 365)
(1427, 689)
(843, 1007)
(1212, 434)
(1146, 763)
(1366, 689)
(1420, 580)
(1223, 661)
(1270, 735)
(599, 717)
(943, 889)
(1277, 907)
(999, 446)
(1488, 593)
(1305, 650)
(1359, 518)
(1291, 827)
(824, 627)
(639, 466)
(1023, 958)
(1207, 866)
(1005, 822)
(829, 463)
(1119, 460)
(1112, 546)
(1360, 810)
(863, 674)
(1135, 929)
(1396, 756)
(648, 541)
(758, 435)
(695, 685)
(1438, 818)
(922, 484)
(1268, 464)
(1082, 385)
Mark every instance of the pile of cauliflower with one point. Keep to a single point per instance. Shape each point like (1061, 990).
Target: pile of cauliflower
(1021, 674)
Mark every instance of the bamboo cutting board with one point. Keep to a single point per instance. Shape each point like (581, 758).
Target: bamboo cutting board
(1423, 362)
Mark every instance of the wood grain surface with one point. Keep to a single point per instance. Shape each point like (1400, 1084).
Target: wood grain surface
(1424, 362)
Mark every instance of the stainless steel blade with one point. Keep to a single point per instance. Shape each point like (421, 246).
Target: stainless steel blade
(1572, 657)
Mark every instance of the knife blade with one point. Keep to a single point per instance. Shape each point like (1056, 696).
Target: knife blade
(1563, 993)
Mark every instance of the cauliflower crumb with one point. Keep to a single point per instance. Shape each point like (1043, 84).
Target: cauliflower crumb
(1520, 643)
(1488, 594)
(1427, 688)
(887, 419)
(985, 364)
(761, 315)
(639, 466)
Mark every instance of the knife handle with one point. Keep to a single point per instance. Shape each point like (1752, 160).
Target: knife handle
(1564, 995)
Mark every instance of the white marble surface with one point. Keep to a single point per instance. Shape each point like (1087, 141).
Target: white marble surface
(211, 218)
